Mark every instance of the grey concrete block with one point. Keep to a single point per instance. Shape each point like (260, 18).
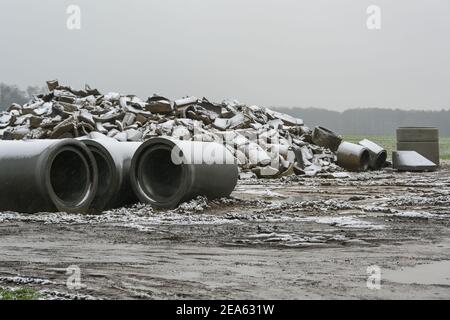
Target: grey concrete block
(411, 161)
(419, 134)
(429, 150)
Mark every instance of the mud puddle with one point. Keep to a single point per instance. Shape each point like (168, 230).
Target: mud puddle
(436, 273)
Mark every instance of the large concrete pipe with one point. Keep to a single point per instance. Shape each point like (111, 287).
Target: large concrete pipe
(423, 140)
(353, 157)
(46, 175)
(113, 160)
(378, 154)
(166, 172)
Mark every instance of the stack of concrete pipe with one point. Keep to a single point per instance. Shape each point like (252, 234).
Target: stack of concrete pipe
(354, 157)
(97, 173)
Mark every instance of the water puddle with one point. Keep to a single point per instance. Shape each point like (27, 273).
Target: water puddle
(436, 273)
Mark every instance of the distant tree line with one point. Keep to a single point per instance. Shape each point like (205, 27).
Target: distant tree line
(374, 121)
(10, 94)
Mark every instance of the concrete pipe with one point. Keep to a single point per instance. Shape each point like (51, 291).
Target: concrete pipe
(46, 176)
(378, 154)
(353, 157)
(424, 140)
(166, 172)
(113, 161)
(326, 138)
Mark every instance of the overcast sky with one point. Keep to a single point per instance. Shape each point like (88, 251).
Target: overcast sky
(272, 53)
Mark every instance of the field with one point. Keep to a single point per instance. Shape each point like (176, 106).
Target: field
(18, 294)
(389, 142)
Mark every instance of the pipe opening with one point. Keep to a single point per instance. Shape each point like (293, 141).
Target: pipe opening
(365, 160)
(380, 160)
(160, 178)
(104, 174)
(69, 176)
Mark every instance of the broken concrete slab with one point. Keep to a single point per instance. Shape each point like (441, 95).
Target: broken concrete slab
(133, 135)
(35, 122)
(286, 119)
(187, 101)
(266, 172)
(246, 175)
(326, 138)
(238, 121)
(159, 104)
(256, 155)
(121, 136)
(429, 150)
(52, 84)
(17, 133)
(181, 133)
(67, 126)
(411, 161)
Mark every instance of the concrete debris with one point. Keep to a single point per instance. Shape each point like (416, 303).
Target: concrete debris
(266, 172)
(326, 138)
(411, 161)
(52, 84)
(247, 175)
(158, 104)
(264, 142)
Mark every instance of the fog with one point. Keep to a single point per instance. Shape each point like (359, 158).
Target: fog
(273, 53)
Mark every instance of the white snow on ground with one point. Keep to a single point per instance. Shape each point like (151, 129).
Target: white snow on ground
(415, 214)
(291, 239)
(140, 217)
(346, 222)
(265, 192)
(25, 280)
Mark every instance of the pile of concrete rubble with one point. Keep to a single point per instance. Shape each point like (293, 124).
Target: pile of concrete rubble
(266, 143)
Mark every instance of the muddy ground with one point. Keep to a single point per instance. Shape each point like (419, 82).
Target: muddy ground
(295, 238)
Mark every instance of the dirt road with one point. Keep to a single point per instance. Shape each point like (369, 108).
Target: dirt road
(301, 237)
